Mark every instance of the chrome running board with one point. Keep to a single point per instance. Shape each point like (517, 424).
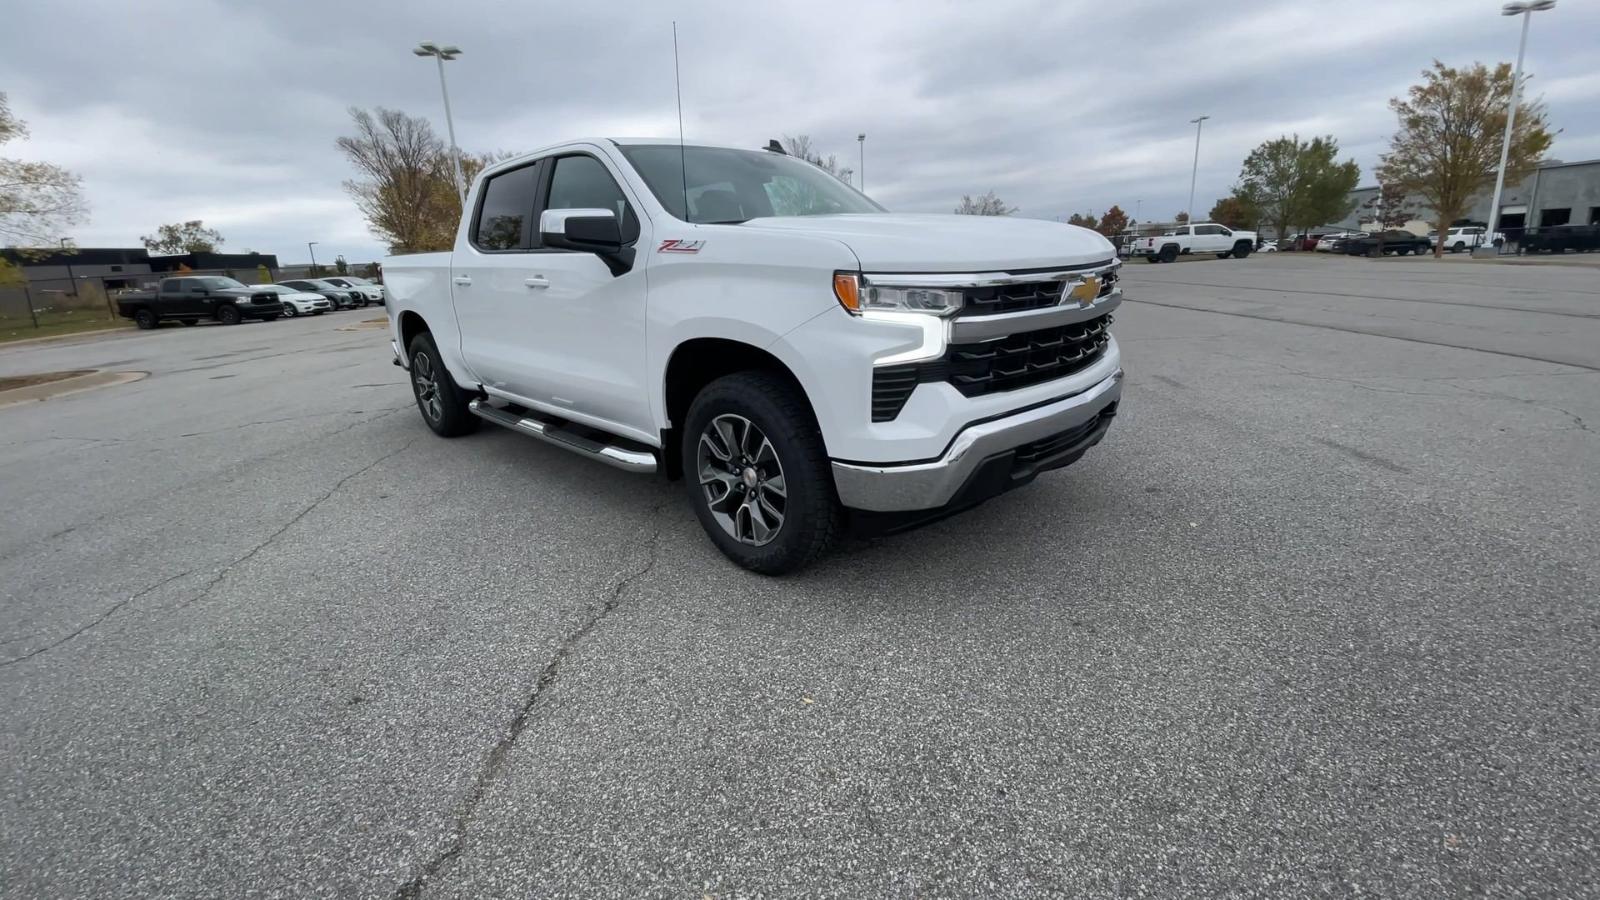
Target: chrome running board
(551, 432)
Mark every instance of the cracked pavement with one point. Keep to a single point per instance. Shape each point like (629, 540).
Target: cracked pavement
(1318, 618)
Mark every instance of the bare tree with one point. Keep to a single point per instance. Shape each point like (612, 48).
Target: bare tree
(799, 147)
(1448, 145)
(38, 201)
(986, 205)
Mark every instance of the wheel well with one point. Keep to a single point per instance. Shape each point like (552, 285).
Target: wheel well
(411, 325)
(697, 363)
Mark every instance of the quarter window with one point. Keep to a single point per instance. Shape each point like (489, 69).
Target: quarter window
(506, 213)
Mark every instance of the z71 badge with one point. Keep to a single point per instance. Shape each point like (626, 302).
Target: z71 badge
(674, 245)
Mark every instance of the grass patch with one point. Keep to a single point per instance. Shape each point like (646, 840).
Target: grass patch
(13, 382)
(11, 329)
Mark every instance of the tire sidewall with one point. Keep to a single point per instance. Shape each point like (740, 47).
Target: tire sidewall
(455, 418)
(145, 319)
(229, 315)
(812, 510)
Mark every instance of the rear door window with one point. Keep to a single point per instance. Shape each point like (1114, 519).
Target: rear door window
(505, 214)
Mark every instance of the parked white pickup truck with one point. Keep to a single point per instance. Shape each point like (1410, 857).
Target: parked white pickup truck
(1205, 237)
(806, 361)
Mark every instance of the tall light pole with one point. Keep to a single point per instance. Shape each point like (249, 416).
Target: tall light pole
(861, 139)
(1198, 124)
(1525, 9)
(312, 246)
(443, 55)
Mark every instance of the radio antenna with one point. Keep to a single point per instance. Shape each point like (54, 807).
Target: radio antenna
(683, 161)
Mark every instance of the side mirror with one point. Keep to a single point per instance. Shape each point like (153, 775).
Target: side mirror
(586, 230)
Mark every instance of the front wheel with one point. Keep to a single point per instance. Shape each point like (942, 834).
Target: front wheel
(757, 474)
(1240, 250)
(1457, 247)
(290, 311)
(443, 405)
(229, 315)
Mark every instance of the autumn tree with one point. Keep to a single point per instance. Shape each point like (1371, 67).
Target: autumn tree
(1114, 222)
(183, 237)
(38, 201)
(1289, 182)
(1181, 218)
(406, 189)
(986, 205)
(1448, 146)
(1084, 220)
(1233, 212)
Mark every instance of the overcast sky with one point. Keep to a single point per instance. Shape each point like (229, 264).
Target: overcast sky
(228, 111)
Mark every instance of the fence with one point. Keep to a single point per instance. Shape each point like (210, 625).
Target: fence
(84, 302)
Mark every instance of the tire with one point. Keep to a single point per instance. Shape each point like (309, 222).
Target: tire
(146, 319)
(190, 321)
(1151, 259)
(442, 403)
(778, 440)
(289, 311)
(229, 314)
(1169, 253)
(1457, 247)
(1241, 250)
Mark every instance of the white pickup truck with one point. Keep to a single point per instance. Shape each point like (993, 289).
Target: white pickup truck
(808, 363)
(1203, 237)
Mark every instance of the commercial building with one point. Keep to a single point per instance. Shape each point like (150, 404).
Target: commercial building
(1557, 193)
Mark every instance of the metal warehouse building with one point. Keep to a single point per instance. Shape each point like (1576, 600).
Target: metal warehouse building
(1557, 193)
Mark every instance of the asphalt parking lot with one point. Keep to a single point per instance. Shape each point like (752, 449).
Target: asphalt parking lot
(1319, 618)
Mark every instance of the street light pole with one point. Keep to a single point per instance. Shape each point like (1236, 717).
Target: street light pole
(442, 55)
(1525, 9)
(312, 246)
(1195, 171)
(861, 139)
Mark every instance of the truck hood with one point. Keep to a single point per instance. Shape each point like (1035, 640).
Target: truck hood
(905, 242)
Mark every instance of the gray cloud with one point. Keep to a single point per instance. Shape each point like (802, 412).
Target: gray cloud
(228, 111)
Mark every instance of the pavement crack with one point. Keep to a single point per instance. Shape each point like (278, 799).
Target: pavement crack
(495, 761)
(1577, 420)
(110, 611)
(266, 542)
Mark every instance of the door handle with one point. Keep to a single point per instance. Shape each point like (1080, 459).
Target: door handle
(537, 281)
(462, 280)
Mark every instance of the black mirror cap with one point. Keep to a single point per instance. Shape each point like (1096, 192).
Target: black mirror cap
(594, 234)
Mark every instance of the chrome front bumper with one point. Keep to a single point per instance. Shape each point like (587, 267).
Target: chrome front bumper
(886, 487)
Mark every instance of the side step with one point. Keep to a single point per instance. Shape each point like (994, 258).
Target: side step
(641, 461)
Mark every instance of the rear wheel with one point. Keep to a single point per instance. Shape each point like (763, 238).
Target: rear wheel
(229, 314)
(1169, 253)
(757, 474)
(146, 319)
(443, 404)
(1458, 246)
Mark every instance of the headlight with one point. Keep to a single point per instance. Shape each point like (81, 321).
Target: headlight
(857, 294)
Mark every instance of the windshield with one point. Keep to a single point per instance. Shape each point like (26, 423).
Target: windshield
(271, 289)
(352, 280)
(218, 283)
(730, 186)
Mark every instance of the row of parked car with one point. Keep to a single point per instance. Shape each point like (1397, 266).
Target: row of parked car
(190, 298)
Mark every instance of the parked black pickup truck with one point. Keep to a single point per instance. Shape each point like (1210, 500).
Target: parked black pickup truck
(1386, 242)
(192, 298)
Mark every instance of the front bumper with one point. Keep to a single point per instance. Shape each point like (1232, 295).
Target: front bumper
(260, 310)
(983, 459)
